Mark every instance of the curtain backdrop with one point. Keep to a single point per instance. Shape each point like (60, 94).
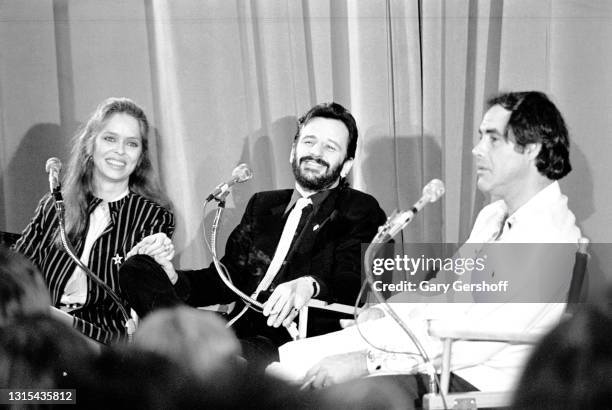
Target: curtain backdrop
(224, 81)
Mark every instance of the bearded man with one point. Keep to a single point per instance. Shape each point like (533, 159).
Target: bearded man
(290, 246)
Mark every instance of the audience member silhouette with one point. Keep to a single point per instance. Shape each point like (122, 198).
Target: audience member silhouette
(37, 352)
(571, 368)
(197, 340)
(22, 288)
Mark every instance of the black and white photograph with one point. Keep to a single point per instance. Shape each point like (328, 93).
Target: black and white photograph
(306, 204)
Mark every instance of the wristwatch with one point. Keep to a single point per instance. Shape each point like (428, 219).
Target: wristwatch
(315, 286)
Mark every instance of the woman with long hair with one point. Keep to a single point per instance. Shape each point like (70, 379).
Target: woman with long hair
(112, 201)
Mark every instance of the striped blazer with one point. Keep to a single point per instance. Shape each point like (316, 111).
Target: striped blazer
(132, 218)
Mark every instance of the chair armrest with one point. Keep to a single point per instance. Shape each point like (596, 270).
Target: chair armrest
(449, 332)
(334, 307)
(469, 400)
(320, 304)
(443, 329)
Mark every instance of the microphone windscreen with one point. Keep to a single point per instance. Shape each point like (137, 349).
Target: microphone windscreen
(242, 173)
(53, 163)
(434, 190)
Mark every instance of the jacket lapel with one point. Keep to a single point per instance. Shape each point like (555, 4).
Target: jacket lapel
(316, 223)
(272, 220)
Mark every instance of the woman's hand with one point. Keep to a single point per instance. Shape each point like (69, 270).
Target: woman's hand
(157, 246)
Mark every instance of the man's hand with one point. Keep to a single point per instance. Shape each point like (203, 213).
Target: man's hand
(167, 266)
(372, 313)
(156, 245)
(336, 369)
(286, 301)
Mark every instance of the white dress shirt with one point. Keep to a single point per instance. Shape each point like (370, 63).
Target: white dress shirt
(75, 292)
(544, 219)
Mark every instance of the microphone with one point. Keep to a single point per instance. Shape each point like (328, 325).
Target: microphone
(398, 220)
(240, 174)
(53, 168)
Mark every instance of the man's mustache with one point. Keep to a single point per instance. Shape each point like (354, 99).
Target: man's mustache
(317, 160)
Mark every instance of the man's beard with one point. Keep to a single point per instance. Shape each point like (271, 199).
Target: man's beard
(315, 183)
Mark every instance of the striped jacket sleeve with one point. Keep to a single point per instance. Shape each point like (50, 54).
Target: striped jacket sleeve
(36, 233)
(95, 332)
(161, 221)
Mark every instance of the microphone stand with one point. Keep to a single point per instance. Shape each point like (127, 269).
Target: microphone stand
(130, 325)
(250, 302)
(379, 240)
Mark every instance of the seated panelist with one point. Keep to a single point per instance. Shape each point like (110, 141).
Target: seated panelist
(290, 246)
(112, 202)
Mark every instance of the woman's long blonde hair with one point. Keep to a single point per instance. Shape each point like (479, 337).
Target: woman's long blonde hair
(78, 186)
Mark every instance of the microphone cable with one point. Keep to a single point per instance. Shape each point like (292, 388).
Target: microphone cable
(379, 239)
(250, 303)
(130, 325)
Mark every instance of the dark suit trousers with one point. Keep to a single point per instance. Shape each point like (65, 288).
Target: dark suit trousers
(147, 287)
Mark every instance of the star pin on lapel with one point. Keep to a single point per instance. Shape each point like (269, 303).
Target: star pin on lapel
(117, 259)
(314, 228)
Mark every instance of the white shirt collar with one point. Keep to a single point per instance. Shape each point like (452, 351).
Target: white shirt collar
(548, 207)
(538, 203)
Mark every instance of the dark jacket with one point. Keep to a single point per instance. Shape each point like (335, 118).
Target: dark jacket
(327, 246)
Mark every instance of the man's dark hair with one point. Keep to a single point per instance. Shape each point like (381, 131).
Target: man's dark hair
(332, 111)
(535, 119)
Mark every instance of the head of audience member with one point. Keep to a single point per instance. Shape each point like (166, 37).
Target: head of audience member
(22, 288)
(131, 377)
(37, 352)
(324, 147)
(365, 394)
(111, 148)
(523, 147)
(571, 368)
(195, 339)
(128, 377)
